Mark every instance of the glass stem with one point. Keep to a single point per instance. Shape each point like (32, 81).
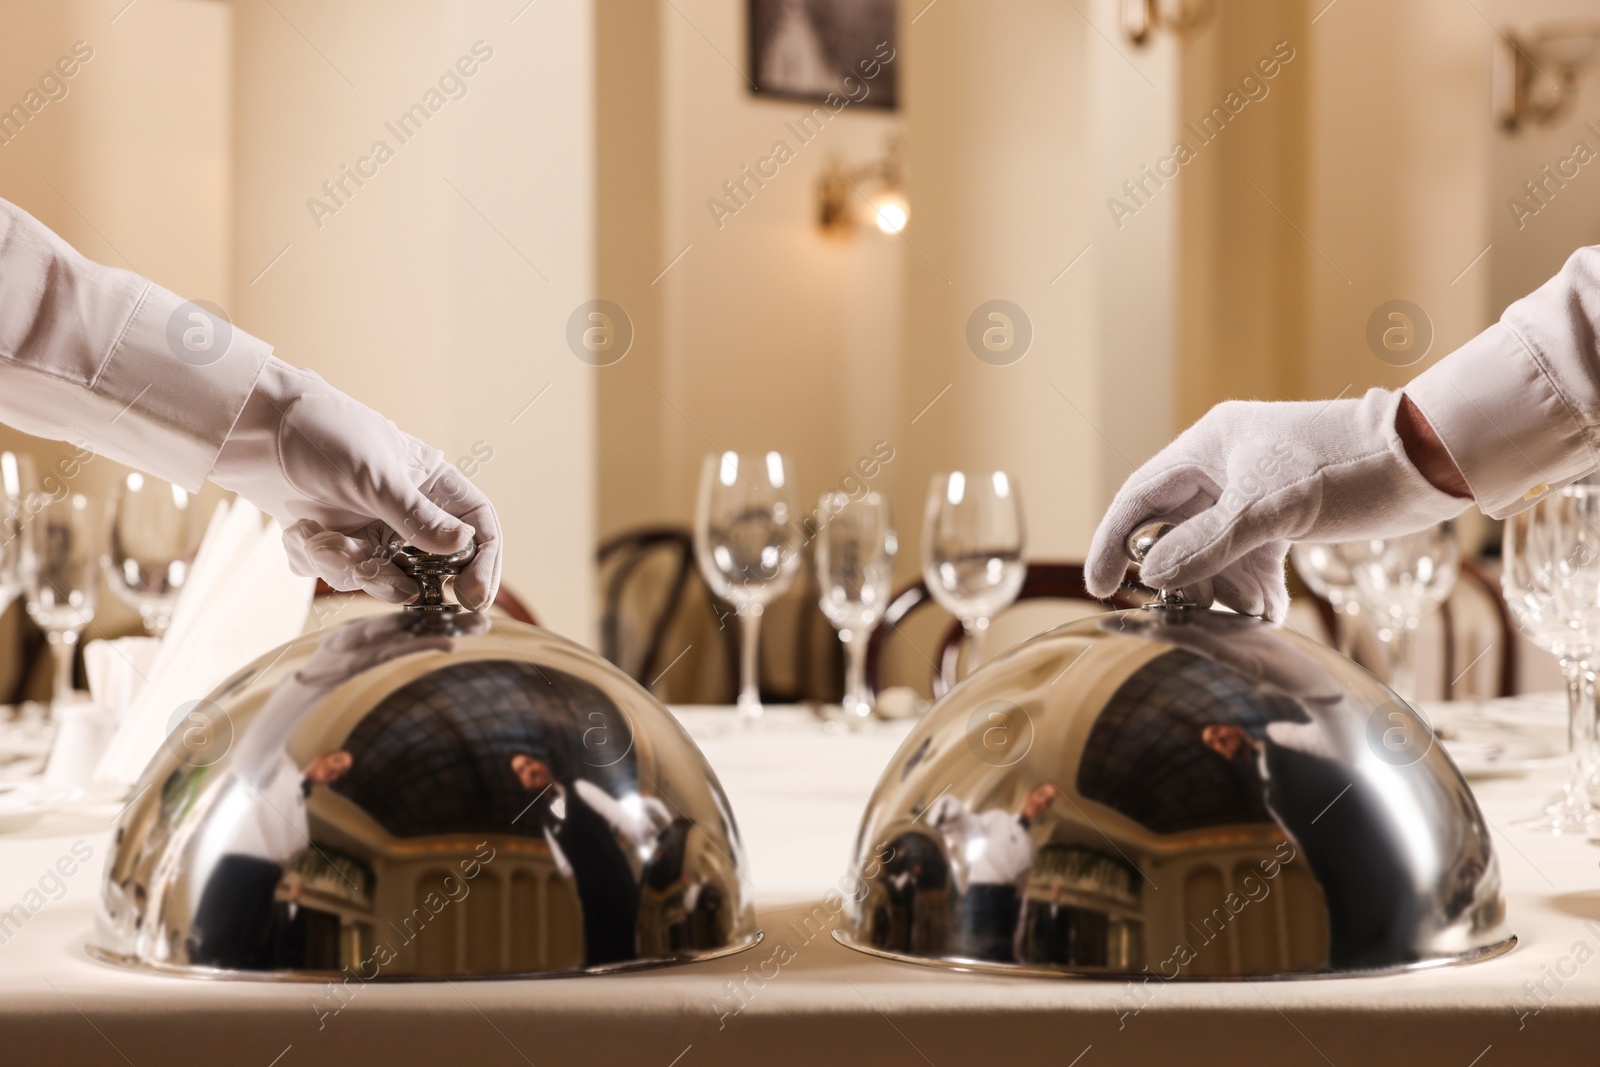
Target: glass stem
(1580, 737)
(64, 644)
(749, 642)
(1402, 664)
(857, 701)
(1346, 626)
(977, 631)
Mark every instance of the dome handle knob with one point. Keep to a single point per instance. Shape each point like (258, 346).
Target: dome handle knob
(429, 570)
(1138, 546)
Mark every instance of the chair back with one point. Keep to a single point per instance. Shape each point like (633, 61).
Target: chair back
(1045, 580)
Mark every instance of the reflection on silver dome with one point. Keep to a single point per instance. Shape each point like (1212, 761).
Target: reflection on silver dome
(425, 794)
(1171, 793)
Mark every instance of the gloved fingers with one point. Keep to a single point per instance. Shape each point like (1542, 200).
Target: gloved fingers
(1240, 590)
(1205, 544)
(1201, 594)
(1175, 493)
(1266, 564)
(419, 521)
(479, 582)
(347, 562)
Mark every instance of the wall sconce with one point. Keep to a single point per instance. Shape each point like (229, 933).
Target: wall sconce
(1536, 77)
(1141, 18)
(871, 194)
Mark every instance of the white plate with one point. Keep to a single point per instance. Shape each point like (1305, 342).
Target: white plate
(1496, 752)
(24, 803)
(1531, 709)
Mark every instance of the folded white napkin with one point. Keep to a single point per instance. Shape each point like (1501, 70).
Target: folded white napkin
(117, 669)
(240, 601)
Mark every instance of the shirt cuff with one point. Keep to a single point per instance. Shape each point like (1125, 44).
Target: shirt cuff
(176, 379)
(1508, 429)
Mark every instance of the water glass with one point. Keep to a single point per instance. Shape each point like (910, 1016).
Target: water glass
(855, 554)
(972, 542)
(1551, 581)
(747, 541)
(1325, 568)
(61, 578)
(153, 535)
(1400, 581)
(15, 478)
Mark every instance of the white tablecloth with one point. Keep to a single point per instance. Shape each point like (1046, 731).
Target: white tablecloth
(798, 793)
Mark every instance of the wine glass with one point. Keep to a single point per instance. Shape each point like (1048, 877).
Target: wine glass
(1325, 568)
(60, 553)
(1400, 580)
(1550, 576)
(855, 551)
(748, 542)
(972, 538)
(15, 476)
(153, 535)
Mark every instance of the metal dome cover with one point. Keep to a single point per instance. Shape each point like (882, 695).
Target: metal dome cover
(1173, 792)
(429, 793)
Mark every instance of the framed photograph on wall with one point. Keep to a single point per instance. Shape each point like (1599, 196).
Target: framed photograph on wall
(807, 49)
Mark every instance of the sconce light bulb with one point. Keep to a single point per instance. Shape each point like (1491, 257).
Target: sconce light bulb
(891, 212)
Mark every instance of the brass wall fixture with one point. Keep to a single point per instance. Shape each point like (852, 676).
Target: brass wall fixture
(1141, 18)
(872, 193)
(1536, 74)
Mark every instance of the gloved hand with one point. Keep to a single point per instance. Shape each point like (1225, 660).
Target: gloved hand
(339, 477)
(1251, 477)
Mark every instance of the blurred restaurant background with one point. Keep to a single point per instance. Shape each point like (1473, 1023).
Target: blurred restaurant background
(778, 272)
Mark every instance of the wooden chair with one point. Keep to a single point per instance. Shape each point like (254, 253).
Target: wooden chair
(1044, 581)
(627, 554)
(807, 666)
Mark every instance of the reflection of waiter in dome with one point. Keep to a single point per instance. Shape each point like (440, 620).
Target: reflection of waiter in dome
(238, 921)
(1335, 820)
(586, 828)
(998, 854)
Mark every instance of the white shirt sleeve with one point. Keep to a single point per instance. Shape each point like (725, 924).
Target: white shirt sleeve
(85, 356)
(1517, 406)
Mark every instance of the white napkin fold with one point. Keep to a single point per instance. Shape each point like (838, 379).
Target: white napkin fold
(240, 601)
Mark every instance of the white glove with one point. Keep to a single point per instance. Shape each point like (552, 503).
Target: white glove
(1249, 478)
(339, 477)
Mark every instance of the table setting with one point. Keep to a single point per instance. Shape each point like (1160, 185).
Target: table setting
(1119, 837)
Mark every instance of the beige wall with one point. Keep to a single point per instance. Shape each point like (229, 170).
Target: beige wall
(1528, 251)
(767, 334)
(132, 166)
(422, 295)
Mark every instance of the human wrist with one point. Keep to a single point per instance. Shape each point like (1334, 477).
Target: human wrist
(1427, 452)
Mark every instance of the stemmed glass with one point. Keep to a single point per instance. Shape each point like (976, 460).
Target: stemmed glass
(855, 552)
(15, 472)
(154, 533)
(748, 543)
(972, 539)
(1325, 568)
(60, 553)
(1551, 580)
(1400, 580)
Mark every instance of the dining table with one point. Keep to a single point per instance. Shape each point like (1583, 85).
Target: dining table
(798, 788)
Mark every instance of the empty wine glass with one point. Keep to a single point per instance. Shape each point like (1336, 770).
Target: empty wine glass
(748, 542)
(1551, 580)
(153, 535)
(1400, 580)
(855, 553)
(15, 476)
(60, 553)
(972, 540)
(1325, 568)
